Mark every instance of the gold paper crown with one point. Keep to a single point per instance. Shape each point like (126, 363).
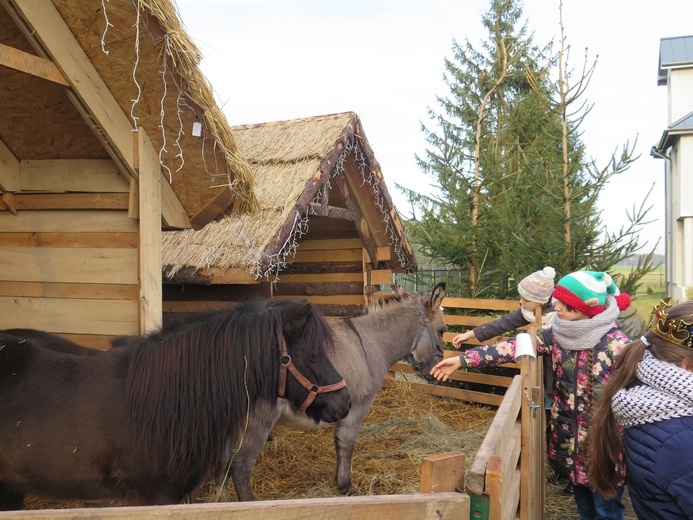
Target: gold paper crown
(682, 329)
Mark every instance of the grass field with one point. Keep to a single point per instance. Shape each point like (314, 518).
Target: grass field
(650, 292)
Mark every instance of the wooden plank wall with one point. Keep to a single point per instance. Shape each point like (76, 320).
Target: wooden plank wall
(68, 260)
(328, 273)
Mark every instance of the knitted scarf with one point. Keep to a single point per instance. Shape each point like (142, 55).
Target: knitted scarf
(666, 392)
(585, 334)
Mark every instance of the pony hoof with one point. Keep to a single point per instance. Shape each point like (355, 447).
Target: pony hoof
(349, 491)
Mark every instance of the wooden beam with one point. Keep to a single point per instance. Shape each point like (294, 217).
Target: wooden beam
(233, 275)
(46, 30)
(64, 315)
(50, 264)
(362, 226)
(320, 277)
(80, 175)
(8, 203)
(330, 255)
(381, 277)
(331, 243)
(419, 506)
(230, 276)
(93, 291)
(479, 303)
(9, 169)
(71, 201)
(442, 472)
(65, 221)
(334, 212)
(149, 168)
(213, 208)
(30, 64)
(338, 299)
(69, 240)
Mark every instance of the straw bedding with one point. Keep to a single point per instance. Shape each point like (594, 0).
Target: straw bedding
(402, 427)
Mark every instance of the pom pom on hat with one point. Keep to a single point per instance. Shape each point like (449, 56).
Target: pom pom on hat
(538, 286)
(586, 291)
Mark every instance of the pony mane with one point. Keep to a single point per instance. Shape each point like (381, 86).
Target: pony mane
(191, 384)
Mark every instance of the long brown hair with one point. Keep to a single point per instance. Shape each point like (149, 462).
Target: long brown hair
(604, 444)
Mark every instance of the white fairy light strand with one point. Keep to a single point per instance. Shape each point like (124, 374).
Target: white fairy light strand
(163, 149)
(105, 29)
(276, 262)
(368, 177)
(134, 69)
(180, 101)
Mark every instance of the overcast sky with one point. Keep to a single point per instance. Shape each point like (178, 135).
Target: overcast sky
(271, 60)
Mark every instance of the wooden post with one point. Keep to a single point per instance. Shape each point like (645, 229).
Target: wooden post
(443, 472)
(150, 233)
(533, 479)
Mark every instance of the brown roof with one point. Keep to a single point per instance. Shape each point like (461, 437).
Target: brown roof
(80, 75)
(293, 162)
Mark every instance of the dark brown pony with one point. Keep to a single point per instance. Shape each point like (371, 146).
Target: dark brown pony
(143, 422)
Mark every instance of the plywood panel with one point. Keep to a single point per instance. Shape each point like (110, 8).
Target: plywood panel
(63, 221)
(69, 315)
(47, 264)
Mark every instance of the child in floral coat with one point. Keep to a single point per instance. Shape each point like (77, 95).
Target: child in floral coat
(583, 341)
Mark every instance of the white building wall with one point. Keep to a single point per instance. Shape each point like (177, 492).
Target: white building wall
(680, 94)
(684, 181)
(679, 190)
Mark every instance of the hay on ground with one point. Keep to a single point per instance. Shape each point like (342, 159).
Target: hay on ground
(402, 427)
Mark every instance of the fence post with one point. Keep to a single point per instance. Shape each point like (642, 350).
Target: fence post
(443, 472)
(533, 469)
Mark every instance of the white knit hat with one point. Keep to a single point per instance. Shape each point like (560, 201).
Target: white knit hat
(538, 286)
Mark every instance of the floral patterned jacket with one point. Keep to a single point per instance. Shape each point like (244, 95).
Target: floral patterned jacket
(574, 390)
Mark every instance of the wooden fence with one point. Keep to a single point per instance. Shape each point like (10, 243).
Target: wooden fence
(507, 479)
(438, 506)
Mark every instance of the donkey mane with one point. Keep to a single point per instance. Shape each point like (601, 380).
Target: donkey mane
(386, 301)
(185, 383)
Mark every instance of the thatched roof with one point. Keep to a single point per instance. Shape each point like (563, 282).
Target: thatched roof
(294, 163)
(81, 75)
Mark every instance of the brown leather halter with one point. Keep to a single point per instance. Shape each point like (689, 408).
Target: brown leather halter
(287, 365)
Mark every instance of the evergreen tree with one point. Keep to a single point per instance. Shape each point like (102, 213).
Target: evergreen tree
(514, 190)
(469, 154)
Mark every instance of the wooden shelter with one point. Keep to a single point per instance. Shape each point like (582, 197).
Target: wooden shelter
(108, 131)
(326, 230)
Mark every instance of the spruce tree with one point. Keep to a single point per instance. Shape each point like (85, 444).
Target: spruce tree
(513, 188)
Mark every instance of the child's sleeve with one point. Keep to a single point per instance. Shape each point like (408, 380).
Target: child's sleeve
(511, 321)
(544, 340)
(489, 355)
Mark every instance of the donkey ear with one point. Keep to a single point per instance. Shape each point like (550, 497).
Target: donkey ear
(437, 295)
(398, 290)
(294, 315)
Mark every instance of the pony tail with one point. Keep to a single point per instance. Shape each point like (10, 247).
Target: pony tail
(604, 443)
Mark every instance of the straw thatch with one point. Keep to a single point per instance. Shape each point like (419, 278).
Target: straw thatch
(293, 162)
(150, 67)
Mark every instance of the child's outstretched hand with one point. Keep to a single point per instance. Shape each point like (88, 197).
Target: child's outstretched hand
(462, 338)
(446, 367)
